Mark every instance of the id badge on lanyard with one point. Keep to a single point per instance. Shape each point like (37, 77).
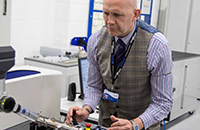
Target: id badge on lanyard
(110, 95)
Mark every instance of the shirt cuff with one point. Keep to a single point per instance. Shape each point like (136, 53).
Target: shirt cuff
(90, 103)
(147, 120)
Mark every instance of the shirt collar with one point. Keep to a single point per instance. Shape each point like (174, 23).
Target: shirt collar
(128, 37)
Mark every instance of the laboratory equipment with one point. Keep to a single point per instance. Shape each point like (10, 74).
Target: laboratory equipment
(8, 104)
(69, 69)
(80, 41)
(49, 51)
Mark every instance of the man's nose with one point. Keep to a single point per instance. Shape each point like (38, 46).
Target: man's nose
(110, 20)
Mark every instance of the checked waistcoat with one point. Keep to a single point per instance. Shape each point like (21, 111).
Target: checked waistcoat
(133, 83)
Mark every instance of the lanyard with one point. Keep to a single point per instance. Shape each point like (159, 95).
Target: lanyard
(115, 75)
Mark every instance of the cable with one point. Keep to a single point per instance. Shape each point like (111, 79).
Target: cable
(164, 125)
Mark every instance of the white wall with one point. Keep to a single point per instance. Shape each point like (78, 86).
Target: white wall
(47, 22)
(32, 25)
(71, 20)
(43, 22)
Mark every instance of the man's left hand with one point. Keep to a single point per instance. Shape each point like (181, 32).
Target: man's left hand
(120, 124)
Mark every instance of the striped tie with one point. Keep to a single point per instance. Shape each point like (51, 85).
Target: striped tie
(120, 53)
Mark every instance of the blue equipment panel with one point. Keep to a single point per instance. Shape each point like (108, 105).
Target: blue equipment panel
(20, 73)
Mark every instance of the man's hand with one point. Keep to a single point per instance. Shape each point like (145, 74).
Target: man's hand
(120, 124)
(81, 114)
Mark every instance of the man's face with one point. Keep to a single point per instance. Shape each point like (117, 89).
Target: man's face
(119, 17)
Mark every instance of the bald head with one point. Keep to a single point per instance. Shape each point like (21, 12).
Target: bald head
(134, 3)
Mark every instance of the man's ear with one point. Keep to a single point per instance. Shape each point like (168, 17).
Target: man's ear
(137, 13)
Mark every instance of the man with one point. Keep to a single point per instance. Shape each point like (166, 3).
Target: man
(136, 92)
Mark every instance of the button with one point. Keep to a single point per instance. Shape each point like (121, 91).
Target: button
(116, 88)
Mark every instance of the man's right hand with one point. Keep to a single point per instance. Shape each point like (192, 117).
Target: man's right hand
(81, 114)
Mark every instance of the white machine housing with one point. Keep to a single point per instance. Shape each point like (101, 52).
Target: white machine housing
(39, 93)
